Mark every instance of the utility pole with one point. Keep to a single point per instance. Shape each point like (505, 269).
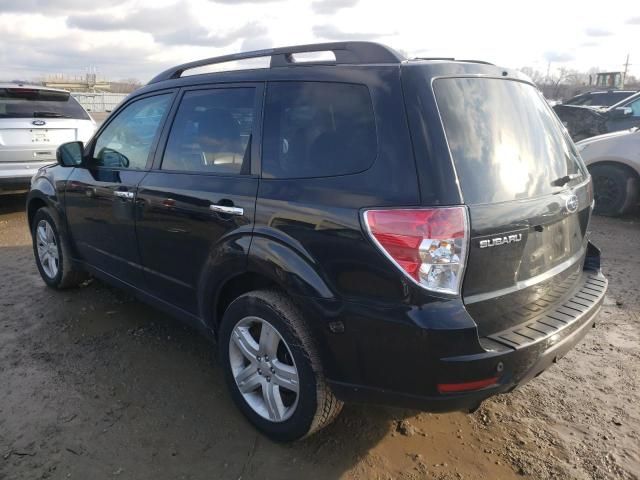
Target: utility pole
(626, 69)
(548, 70)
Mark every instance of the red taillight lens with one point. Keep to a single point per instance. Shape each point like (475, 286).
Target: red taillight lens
(427, 244)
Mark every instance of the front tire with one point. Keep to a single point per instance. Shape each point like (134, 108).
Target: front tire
(615, 189)
(272, 368)
(51, 251)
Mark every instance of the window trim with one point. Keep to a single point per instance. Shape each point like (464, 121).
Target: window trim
(339, 82)
(89, 147)
(256, 129)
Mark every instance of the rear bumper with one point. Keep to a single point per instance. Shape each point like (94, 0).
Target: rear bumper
(16, 176)
(534, 364)
(513, 357)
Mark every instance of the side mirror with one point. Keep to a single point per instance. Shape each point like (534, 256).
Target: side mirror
(621, 112)
(70, 154)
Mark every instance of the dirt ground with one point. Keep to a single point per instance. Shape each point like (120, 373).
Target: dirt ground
(96, 385)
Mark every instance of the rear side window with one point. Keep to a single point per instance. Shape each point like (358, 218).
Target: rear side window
(38, 103)
(315, 129)
(616, 97)
(212, 131)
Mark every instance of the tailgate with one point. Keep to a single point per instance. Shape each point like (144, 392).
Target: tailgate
(528, 195)
(21, 140)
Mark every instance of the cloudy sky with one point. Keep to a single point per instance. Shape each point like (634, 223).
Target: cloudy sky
(137, 38)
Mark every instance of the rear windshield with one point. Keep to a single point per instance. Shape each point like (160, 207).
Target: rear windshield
(36, 103)
(505, 141)
(599, 99)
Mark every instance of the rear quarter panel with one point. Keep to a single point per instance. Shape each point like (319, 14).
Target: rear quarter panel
(624, 149)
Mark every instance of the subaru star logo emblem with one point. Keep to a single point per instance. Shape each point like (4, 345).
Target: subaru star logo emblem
(572, 203)
(39, 123)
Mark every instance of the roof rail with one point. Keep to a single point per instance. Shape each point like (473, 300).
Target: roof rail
(345, 53)
(453, 60)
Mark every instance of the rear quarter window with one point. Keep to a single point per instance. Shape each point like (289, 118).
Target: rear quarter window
(316, 129)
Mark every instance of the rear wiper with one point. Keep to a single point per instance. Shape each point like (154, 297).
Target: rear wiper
(51, 115)
(559, 182)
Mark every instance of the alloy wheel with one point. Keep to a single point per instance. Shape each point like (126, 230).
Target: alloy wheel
(263, 368)
(48, 251)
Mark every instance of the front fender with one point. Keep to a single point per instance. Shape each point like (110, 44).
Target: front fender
(43, 193)
(47, 189)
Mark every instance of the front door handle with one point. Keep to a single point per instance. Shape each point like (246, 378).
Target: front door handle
(227, 210)
(125, 195)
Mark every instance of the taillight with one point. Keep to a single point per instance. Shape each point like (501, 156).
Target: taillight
(428, 244)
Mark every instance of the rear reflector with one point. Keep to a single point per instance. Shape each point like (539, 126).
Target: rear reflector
(429, 245)
(467, 386)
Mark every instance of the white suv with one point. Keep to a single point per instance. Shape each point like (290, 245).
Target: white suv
(34, 121)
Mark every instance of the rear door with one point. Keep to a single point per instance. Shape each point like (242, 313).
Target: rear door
(201, 195)
(100, 196)
(527, 192)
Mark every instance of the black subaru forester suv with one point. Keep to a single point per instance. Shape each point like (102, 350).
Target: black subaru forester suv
(360, 229)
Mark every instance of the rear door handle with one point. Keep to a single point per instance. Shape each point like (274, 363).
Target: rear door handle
(125, 195)
(227, 210)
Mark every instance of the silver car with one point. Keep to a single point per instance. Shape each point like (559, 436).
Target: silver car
(34, 121)
(614, 162)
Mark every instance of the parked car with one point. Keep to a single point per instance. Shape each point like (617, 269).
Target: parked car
(343, 229)
(34, 121)
(604, 98)
(614, 162)
(584, 122)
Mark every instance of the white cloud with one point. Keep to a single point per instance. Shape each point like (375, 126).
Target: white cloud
(331, 6)
(558, 57)
(137, 38)
(331, 32)
(597, 32)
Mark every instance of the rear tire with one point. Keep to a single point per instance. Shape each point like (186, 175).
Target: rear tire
(244, 338)
(615, 189)
(52, 253)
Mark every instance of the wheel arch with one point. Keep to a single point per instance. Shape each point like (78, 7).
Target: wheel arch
(271, 263)
(612, 162)
(234, 287)
(42, 194)
(34, 204)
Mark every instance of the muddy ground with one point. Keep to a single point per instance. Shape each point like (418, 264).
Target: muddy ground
(96, 385)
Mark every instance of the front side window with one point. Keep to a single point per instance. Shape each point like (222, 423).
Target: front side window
(126, 142)
(211, 132)
(635, 107)
(315, 129)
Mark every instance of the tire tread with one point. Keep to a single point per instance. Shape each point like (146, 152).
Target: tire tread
(70, 276)
(328, 406)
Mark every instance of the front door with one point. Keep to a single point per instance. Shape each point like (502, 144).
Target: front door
(101, 195)
(198, 204)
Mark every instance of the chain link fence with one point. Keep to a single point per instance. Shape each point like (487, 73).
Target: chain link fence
(100, 101)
